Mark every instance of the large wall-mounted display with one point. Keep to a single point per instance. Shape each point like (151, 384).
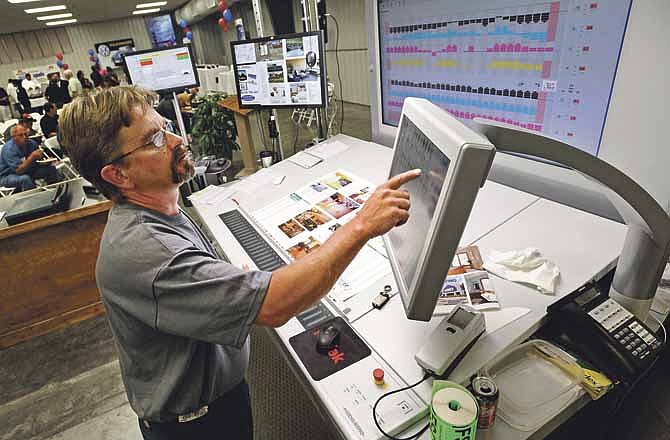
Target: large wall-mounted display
(161, 31)
(547, 66)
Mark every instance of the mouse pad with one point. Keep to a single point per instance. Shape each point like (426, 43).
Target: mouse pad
(350, 350)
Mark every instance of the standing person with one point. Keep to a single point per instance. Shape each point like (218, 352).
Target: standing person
(49, 122)
(95, 75)
(23, 99)
(33, 88)
(85, 83)
(11, 91)
(74, 87)
(5, 106)
(18, 162)
(57, 91)
(180, 315)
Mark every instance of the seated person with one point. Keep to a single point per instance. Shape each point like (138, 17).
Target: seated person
(49, 122)
(18, 162)
(25, 121)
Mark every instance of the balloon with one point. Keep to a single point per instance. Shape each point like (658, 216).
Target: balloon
(66, 66)
(59, 63)
(91, 59)
(228, 15)
(223, 5)
(96, 59)
(189, 35)
(103, 72)
(182, 23)
(59, 55)
(222, 23)
(91, 52)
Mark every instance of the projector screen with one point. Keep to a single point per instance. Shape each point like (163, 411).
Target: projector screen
(162, 70)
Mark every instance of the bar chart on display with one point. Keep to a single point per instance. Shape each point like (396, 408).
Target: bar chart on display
(546, 66)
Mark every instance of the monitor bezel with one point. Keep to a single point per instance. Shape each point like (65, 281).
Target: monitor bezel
(168, 90)
(322, 80)
(461, 145)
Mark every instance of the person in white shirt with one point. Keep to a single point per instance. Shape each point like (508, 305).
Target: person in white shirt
(11, 91)
(33, 88)
(74, 85)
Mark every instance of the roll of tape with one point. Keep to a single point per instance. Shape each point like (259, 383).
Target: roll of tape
(453, 412)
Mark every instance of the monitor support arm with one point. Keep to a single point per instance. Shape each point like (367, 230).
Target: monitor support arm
(647, 244)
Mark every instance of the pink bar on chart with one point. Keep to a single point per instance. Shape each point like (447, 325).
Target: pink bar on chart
(541, 103)
(546, 69)
(552, 24)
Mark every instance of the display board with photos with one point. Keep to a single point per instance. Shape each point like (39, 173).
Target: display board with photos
(280, 71)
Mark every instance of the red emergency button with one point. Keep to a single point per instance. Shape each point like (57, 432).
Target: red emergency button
(378, 375)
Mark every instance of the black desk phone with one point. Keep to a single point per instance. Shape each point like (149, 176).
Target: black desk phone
(604, 332)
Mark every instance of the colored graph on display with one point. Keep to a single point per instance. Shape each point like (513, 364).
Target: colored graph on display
(547, 66)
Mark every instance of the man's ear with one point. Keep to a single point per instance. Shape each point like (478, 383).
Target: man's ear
(116, 176)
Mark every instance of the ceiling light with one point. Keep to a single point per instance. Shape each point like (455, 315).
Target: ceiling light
(46, 9)
(56, 23)
(54, 17)
(146, 11)
(148, 5)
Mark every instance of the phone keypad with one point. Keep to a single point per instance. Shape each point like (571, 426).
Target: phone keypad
(637, 340)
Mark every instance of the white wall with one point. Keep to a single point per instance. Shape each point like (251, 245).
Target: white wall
(635, 139)
(82, 38)
(353, 48)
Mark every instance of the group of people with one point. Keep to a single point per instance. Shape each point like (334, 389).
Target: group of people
(15, 99)
(20, 157)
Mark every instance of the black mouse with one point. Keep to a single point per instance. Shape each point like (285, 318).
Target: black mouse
(329, 338)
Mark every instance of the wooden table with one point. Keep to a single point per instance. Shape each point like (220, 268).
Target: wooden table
(243, 133)
(47, 268)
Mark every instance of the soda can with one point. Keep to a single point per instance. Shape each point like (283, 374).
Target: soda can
(485, 391)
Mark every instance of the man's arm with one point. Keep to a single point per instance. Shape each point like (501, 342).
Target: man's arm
(25, 165)
(295, 287)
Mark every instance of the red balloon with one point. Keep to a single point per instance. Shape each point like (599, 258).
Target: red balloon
(222, 24)
(223, 5)
(59, 55)
(66, 66)
(91, 58)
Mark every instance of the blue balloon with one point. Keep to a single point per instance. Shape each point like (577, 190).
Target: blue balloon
(59, 63)
(91, 52)
(96, 59)
(227, 15)
(182, 23)
(189, 35)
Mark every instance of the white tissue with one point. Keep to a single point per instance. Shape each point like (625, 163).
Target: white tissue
(524, 266)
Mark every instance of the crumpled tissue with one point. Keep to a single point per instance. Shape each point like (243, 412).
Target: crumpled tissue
(525, 266)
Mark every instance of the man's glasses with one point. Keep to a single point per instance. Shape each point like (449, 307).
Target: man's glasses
(158, 140)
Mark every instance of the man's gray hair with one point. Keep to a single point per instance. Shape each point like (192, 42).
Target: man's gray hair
(89, 127)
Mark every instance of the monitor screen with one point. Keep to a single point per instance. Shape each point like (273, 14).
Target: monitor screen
(454, 161)
(546, 66)
(162, 70)
(280, 71)
(416, 150)
(161, 31)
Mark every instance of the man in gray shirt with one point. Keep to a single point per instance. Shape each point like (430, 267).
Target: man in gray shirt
(180, 315)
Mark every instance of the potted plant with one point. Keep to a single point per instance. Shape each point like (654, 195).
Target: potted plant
(214, 129)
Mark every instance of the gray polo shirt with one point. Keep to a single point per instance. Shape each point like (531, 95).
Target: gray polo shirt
(180, 315)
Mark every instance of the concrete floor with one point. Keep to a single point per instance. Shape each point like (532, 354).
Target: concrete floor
(67, 385)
